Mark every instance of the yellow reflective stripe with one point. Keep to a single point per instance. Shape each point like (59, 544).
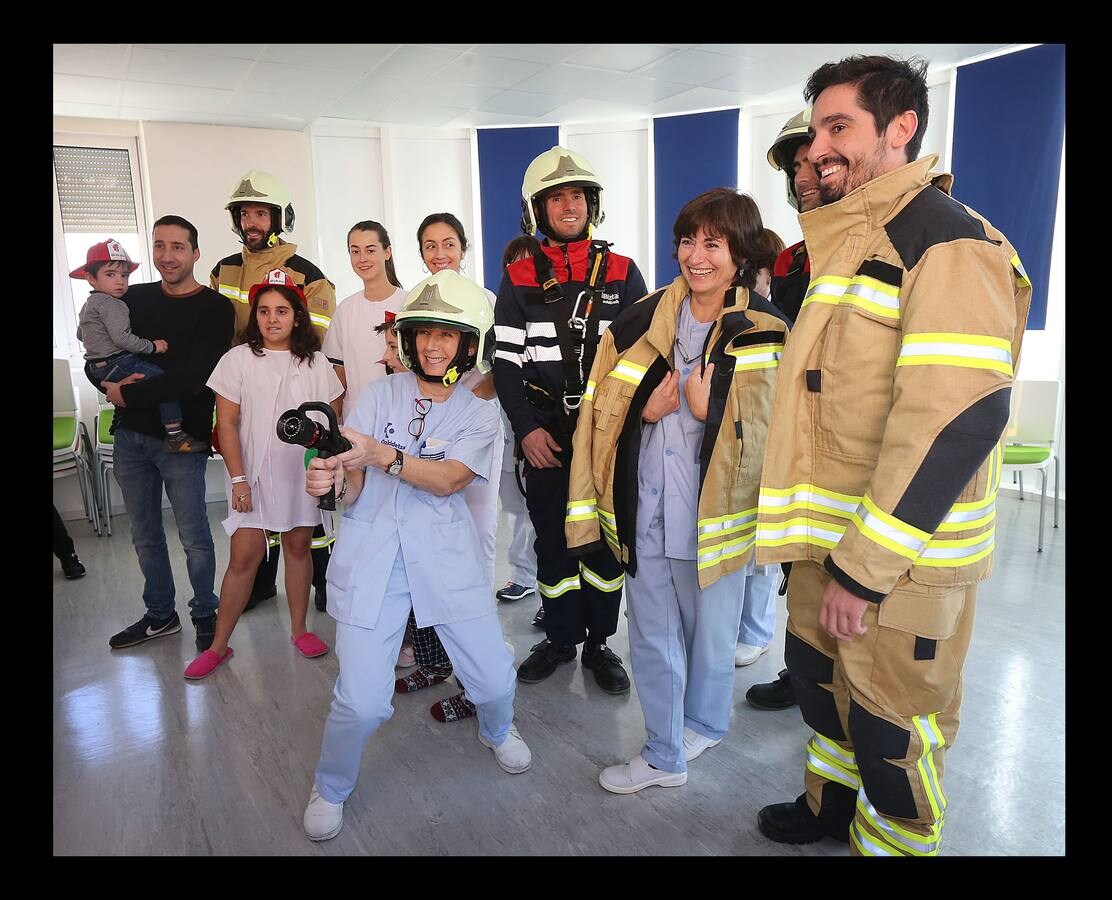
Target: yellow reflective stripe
(589, 391)
(831, 772)
(847, 757)
(765, 356)
(726, 524)
(932, 739)
(582, 510)
(274, 540)
(318, 542)
(1021, 273)
(806, 496)
(964, 521)
(971, 351)
(826, 762)
(800, 531)
(726, 550)
(886, 530)
(900, 839)
(864, 843)
(862, 291)
(320, 320)
(951, 554)
(628, 371)
(597, 581)
(233, 291)
(561, 587)
(999, 467)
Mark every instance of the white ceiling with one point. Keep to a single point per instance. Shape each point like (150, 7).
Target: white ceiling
(454, 85)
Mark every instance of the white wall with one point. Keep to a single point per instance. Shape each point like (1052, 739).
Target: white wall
(620, 154)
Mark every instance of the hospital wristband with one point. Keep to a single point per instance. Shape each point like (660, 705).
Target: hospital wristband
(239, 479)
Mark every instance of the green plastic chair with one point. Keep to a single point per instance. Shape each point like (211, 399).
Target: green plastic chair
(72, 453)
(1032, 436)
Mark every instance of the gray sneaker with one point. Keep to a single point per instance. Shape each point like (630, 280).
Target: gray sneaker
(146, 629)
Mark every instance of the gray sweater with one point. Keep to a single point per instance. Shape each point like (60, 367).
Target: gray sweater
(105, 328)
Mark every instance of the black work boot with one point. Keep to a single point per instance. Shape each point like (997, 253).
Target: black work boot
(794, 823)
(320, 597)
(544, 659)
(71, 567)
(607, 666)
(778, 694)
(258, 596)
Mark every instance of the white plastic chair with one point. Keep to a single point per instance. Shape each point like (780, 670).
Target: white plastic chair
(1032, 436)
(72, 452)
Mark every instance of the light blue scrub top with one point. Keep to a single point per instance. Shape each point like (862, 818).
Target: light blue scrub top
(668, 464)
(437, 535)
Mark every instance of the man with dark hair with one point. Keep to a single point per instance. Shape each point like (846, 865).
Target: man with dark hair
(261, 210)
(552, 309)
(883, 461)
(198, 325)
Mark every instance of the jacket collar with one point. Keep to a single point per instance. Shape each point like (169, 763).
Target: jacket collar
(661, 333)
(870, 206)
(279, 253)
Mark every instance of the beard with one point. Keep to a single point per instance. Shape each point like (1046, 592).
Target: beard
(861, 171)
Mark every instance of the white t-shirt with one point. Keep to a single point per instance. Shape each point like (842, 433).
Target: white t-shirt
(352, 342)
(265, 387)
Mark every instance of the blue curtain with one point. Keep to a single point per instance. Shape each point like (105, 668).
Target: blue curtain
(504, 154)
(1009, 123)
(691, 154)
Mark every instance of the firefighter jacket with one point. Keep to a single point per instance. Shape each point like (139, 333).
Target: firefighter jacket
(528, 342)
(634, 356)
(234, 275)
(884, 455)
(791, 273)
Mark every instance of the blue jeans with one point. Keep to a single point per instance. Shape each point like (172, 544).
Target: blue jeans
(117, 367)
(142, 467)
(758, 609)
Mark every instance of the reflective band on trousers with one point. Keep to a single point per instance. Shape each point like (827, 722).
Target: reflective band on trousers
(831, 764)
(597, 581)
(318, 542)
(628, 371)
(970, 351)
(561, 587)
(806, 496)
(900, 839)
(932, 739)
(888, 531)
(582, 510)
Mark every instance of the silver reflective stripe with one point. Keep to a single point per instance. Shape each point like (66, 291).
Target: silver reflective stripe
(587, 509)
(603, 325)
(972, 351)
(867, 844)
(772, 534)
(874, 296)
(510, 335)
(834, 750)
(971, 515)
(729, 548)
(599, 582)
(958, 552)
(811, 499)
(562, 587)
(540, 329)
(826, 290)
(919, 843)
(893, 534)
(714, 527)
(821, 767)
(542, 354)
(505, 355)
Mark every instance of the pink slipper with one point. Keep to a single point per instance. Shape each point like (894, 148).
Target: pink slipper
(309, 645)
(206, 663)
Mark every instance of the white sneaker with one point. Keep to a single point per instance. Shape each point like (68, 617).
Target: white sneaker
(630, 777)
(513, 754)
(695, 743)
(322, 820)
(747, 654)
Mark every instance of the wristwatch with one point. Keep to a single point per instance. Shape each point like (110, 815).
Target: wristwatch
(395, 468)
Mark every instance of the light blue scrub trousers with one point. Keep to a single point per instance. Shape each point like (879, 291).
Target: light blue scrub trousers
(758, 609)
(364, 690)
(681, 647)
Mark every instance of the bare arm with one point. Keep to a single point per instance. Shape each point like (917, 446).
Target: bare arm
(227, 427)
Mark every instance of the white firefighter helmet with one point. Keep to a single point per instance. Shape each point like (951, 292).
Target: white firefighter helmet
(453, 301)
(258, 186)
(558, 167)
(781, 155)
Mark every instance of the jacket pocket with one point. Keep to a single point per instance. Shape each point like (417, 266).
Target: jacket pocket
(858, 359)
(353, 592)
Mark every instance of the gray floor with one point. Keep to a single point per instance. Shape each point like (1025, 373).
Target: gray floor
(147, 763)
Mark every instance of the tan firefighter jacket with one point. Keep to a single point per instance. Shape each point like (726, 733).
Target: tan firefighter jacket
(234, 275)
(633, 357)
(884, 455)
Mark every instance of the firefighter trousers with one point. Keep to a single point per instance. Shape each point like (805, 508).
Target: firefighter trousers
(581, 595)
(884, 709)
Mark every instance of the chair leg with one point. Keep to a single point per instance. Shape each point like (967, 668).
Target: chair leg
(1055, 491)
(107, 503)
(1020, 474)
(1042, 507)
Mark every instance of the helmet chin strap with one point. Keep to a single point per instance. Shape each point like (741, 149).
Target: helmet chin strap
(272, 240)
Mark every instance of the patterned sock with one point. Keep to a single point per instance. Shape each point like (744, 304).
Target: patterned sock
(422, 677)
(452, 709)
